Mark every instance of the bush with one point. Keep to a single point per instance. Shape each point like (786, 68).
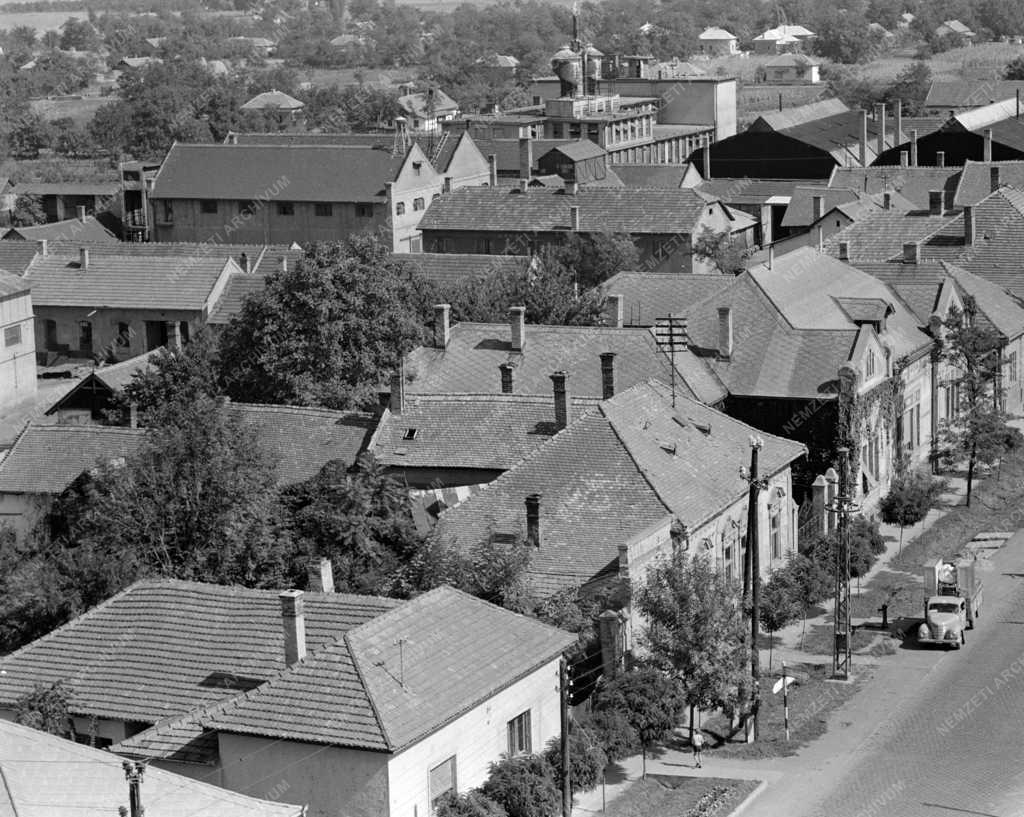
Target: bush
(909, 500)
(586, 758)
(471, 804)
(523, 786)
(615, 734)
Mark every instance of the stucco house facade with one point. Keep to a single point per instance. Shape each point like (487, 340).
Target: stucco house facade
(17, 340)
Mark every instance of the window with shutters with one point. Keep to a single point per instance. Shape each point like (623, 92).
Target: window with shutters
(519, 742)
(442, 781)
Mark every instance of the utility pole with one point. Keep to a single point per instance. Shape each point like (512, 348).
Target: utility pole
(843, 507)
(670, 335)
(133, 771)
(752, 579)
(563, 687)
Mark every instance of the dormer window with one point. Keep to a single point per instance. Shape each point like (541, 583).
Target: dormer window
(410, 434)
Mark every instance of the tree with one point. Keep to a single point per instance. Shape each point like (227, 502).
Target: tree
(28, 210)
(593, 257)
(809, 582)
(469, 804)
(46, 708)
(30, 136)
(845, 37)
(779, 606)
(523, 786)
(978, 430)
(327, 331)
(78, 35)
(910, 88)
(587, 759)
(720, 251)
(909, 499)
(649, 700)
(696, 628)
(1014, 69)
(614, 732)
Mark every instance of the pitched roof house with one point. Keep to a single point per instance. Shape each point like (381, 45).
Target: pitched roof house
(717, 41)
(611, 492)
(913, 183)
(93, 397)
(70, 229)
(364, 704)
(427, 110)
(17, 355)
(89, 782)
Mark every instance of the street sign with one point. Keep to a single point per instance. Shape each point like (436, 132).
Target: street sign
(787, 680)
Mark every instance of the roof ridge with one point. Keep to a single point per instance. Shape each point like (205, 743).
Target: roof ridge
(636, 463)
(275, 407)
(362, 683)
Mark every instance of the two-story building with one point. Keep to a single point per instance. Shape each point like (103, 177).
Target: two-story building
(17, 340)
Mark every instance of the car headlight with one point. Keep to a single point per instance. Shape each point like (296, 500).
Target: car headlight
(950, 635)
(922, 631)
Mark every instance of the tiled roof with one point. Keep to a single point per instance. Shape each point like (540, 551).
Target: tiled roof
(922, 124)
(109, 378)
(797, 60)
(448, 269)
(489, 431)
(670, 176)
(419, 104)
(15, 256)
(714, 33)
(998, 224)
(913, 183)
(469, 365)
(239, 286)
(181, 738)
(399, 677)
(163, 647)
(881, 235)
(621, 468)
(506, 151)
(835, 132)
(46, 459)
(647, 296)
(12, 285)
(262, 257)
(747, 191)
(42, 775)
(800, 212)
(579, 150)
(976, 179)
(788, 118)
(960, 94)
(304, 439)
(601, 209)
(71, 229)
(117, 281)
(273, 101)
(66, 188)
(301, 172)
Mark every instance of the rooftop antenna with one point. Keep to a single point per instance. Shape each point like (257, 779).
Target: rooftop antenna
(670, 335)
(401, 661)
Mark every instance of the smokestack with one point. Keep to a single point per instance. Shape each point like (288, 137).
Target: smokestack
(969, 225)
(863, 138)
(819, 207)
(940, 158)
(559, 381)
(320, 573)
(293, 619)
(880, 116)
(396, 401)
(725, 332)
(81, 213)
(913, 148)
(442, 325)
(492, 168)
(507, 383)
(935, 202)
(613, 311)
(517, 321)
(83, 258)
(844, 250)
(705, 155)
(525, 158)
(533, 520)
(574, 219)
(898, 113)
(607, 375)
(988, 145)
(911, 252)
(993, 179)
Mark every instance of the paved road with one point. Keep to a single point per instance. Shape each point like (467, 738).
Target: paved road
(951, 735)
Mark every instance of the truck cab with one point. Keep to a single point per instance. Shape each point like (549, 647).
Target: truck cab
(945, 622)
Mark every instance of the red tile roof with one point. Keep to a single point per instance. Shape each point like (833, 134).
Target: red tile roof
(648, 296)
(447, 269)
(71, 229)
(976, 179)
(240, 286)
(11, 285)
(913, 183)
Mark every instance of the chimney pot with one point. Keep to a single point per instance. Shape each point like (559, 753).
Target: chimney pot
(81, 213)
(725, 336)
(844, 250)
(887, 201)
(396, 400)
(293, 619)
(83, 258)
(935, 202)
(533, 520)
(559, 381)
(492, 169)
(507, 377)
(940, 158)
(994, 182)
(524, 185)
(321, 576)
(988, 145)
(607, 375)
(446, 185)
(904, 158)
(525, 158)
(911, 252)
(613, 311)
(517, 321)
(969, 225)
(913, 147)
(442, 325)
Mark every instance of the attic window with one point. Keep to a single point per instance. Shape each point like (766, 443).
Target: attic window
(416, 166)
(410, 434)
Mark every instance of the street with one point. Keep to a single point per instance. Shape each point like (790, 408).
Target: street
(948, 738)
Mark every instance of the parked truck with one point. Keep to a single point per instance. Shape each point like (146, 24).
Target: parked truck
(952, 602)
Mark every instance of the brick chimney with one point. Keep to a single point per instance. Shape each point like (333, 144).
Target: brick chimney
(935, 202)
(293, 620)
(887, 200)
(559, 381)
(574, 219)
(940, 158)
(994, 182)
(83, 258)
(533, 520)
(844, 250)
(904, 158)
(607, 375)
(396, 400)
(492, 169)
(705, 154)
(81, 213)
(320, 573)
(863, 138)
(911, 252)
(880, 112)
(517, 321)
(442, 325)
(613, 312)
(988, 145)
(969, 225)
(913, 148)
(818, 207)
(725, 335)
(525, 158)
(43, 246)
(446, 184)
(507, 377)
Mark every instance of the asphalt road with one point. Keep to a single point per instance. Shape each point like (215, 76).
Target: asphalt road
(951, 741)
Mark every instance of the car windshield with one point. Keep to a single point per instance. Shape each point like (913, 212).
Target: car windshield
(944, 608)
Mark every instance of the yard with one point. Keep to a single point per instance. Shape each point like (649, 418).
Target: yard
(671, 796)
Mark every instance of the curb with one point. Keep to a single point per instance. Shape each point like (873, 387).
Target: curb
(761, 786)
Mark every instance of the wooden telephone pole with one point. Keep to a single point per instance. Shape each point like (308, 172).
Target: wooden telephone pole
(752, 580)
(563, 687)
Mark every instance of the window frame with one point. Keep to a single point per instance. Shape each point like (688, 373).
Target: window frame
(286, 208)
(364, 210)
(775, 533)
(454, 787)
(519, 734)
(399, 208)
(208, 207)
(13, 335)
(418, 205)
(323, 209)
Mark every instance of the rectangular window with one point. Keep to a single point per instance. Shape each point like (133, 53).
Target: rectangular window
(208, 206)
(775, 527)
(50, 333)
(124, 334)
(400, 208)
(364, 210)
(442, 781)
(12, 335)
(85, 336)
(1012, 364)
(326, 210)
(286, 208)
(417, 203)
(519, 739)
(168, 211)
